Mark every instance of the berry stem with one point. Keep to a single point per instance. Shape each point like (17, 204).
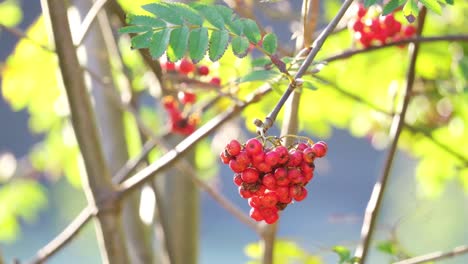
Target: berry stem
(313, 51)
(375, 201)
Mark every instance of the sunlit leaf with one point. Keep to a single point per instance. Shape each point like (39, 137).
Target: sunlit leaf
(270, 43)
(432, 5)
(10, 13)
(164, 12)
(159, 43)
(240, 46)
(178, 43)
(218, 44)
(261, 75)
(391, 6)
(198, 44)
(251, 30)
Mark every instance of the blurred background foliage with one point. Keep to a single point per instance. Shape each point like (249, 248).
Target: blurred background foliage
(358, 94)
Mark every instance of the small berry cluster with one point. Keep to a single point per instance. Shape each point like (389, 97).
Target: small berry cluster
(378, 29)
(186, 67)
(178, 122)
(271, 178)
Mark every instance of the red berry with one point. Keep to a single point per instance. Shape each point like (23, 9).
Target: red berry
(374, 25)
(261, 190)
(169, 102)
(257, 157)
(269, 199)
(262, 166)
(358, 26)
(293, 175)
(255, 201)
(299, 193)
(224, 158)
(283, 154)
(269, 181)
(236, 166)
(249, 175)
(308, 155)
(320, 149)
(169, 66)
(187, 97)
(409, 31)
(216, 81)
(282, 192)
(237, 180)
(255, 214)
(270, 215)
(272, 158)
(243, 158)
(281, 176)
(362, 11)
(186, 67)
(285, 199)
(244, 193)
(302, 146)
(364, 38)
(203, 70)
(389, 20)
(295, 158)
(253, 147)
(234, 148)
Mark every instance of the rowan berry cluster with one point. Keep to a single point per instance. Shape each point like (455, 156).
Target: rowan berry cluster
(379, 30)
(271, 177)
(179, 122)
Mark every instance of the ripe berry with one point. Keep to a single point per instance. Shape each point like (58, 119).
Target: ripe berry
(203, 70)
(169, 102)
(236, 166)
(262, 166)
(362, 11)
(281, 176)
(300, 195)
(358, 26)
(186, 97)
(253, 146)
(302, 146)
(409, 31)
(293, 175)
(308, 155)
(216, 81)
(255, 201)
(234, 148)
(224, 158)
(244, 193)
(243, 158)
(269, 181)
(255, 214)
(169, 66)
(295, 158)
(283, 154)
(237, 180)
(272, 158)
(249, 175)
(185, 66)
(269, 199)
(320, 149)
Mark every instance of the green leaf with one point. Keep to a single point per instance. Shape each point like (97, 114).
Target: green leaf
(164, 12)
(262, 75)
(432, 5)
(133, 29)
(145, 21)
(211, 14)
(391, 6)
(342, 252)
(251, 30)
(240, 46)
(450, 2)
(411, 10)
(368, 3)
(236, 27)
(308, 84)
(198, 44)
(10, 13)
(218, 44)
(159, 43)
(178, 43)
(230, 19)
(270, 43)
(187, 13)
(142, 41)
(261, 62)
(388, 247)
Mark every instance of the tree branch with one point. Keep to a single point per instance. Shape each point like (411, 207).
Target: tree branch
(375, 202)
(316, 46)
(439, 255)
(416, 40)
(65, 236)
(88, 21)
(97, 185)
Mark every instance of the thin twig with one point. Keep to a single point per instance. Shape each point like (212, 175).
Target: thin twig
(316, 46)
(410, 127)
(375, 202)
(88, 21)
(439, 255)
(20, 34)
(70, 232)
(417, 39)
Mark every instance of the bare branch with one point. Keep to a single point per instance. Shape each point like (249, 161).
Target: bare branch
(97, 184)
(70, 232)
(439, 255)
(375, 201)
(316, 46)
(88, 21)
(20, 34)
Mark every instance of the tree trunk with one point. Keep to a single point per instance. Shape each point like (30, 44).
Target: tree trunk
(111, 128)
(181, 211)
(97, 183)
